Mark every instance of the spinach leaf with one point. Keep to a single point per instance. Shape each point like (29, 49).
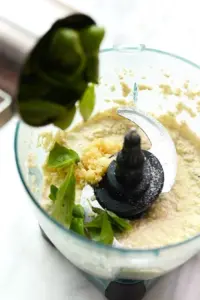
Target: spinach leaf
(118, 222)
(78, 211)
(65, 198)
(53, 192)
(60, 157)
(106, 235)
(77, 225)
(87, 102)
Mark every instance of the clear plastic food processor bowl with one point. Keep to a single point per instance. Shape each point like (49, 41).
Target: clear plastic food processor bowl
(141, 65)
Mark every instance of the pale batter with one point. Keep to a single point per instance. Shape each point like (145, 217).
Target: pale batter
(175, 216)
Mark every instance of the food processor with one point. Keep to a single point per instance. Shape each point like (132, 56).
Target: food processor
(108, 267)
(119, 273)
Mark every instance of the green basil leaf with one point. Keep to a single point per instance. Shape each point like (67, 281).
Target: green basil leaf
(77, 225)
(91, 38)
(53, 192)
(87, 102)
(32, 87)
(92, 69)
(107, 235)
(65, 198)
(60, 157)
(64, 59)
(78, 211)
(97, 210)
(37, 112)
(66, 49)
(95, 223)
(94, 234)
(118, 222)
(66, 121)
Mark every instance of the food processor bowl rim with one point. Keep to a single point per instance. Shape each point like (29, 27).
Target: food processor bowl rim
(154, 251)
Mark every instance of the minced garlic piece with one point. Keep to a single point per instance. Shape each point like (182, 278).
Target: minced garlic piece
(177, 92)
(95, 161)
(125, 88)
(166, 89)
(198, 106)
(181, 107)
(121, 102)
(143, 87)
(186, 84)
(192, 94)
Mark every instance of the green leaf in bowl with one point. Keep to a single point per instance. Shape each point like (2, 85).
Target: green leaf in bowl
(77, 225)
(94, 233)
(87, 102)
(53, 192)
(97, 210)
(65, 198)
(78, 211)
(106, 235)
(95, 223)
(60, 157)
(118, 222)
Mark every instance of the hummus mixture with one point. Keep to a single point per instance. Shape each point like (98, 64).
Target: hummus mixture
(175, 216)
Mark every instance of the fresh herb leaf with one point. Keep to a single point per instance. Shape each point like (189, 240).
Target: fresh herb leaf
(92, 69)
(91, 38)
(107, 235)
(65, 198)
(60, 157)
(74, 59)
(100, 229)
(64, 59)
(97, 210)
(66, 121)
(77, 225)
(37, 112)
(87, 102)
(53, 192)
(78, 211)
(95, 223)
(118, 222)
(94, 234)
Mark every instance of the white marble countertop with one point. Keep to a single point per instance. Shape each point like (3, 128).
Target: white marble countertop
(29, 267)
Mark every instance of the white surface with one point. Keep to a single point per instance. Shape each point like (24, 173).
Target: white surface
(30, 268)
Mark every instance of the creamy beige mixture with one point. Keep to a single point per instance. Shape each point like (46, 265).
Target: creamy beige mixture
(175, 216)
